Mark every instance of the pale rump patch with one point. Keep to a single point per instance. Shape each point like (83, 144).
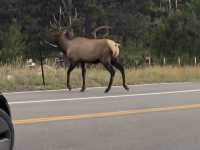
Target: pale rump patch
(114, 47)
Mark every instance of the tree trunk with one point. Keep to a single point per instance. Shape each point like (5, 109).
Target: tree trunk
(136, 42)
(161, 2)
(124, 39)
(170, 5)
(87, 25)
(176, 4)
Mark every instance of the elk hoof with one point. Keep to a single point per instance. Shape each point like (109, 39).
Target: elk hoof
(82, 90)
(107, 90)
(126, 87)
(69, 88)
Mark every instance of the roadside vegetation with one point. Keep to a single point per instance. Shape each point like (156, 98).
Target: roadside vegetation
(20, 78)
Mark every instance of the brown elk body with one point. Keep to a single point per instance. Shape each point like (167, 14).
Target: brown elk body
(82, 50)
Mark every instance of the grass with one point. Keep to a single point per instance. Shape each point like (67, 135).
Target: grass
(20, 78)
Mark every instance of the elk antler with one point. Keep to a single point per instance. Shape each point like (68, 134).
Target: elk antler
(94, 33)
(56, 23)
(71, 20)
(64, 19)
(68, 12)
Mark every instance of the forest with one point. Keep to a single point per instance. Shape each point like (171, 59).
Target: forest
(157, 28)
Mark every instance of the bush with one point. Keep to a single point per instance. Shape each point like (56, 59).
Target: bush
(132, 57)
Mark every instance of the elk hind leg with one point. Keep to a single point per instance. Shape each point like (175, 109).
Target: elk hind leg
(110, 68)
(121, 69)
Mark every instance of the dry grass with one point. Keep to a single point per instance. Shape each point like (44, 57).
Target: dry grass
(18, 78)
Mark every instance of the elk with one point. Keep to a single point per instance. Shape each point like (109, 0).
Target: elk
(82, 50)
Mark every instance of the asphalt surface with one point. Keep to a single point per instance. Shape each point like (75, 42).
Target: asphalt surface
(148, 117)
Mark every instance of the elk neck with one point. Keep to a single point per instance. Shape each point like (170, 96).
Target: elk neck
(64, 41)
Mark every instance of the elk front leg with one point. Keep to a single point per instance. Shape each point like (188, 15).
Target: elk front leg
(83, 76)
(71, 67)
(110, 68)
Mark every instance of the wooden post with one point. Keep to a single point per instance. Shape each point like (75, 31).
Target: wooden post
(179, 61)
(195, 60)
(42, 67)
(149, 60)
(164, 61)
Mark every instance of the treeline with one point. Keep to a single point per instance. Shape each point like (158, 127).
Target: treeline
(156, 28)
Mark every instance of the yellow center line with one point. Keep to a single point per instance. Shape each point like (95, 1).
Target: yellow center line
(104, 114)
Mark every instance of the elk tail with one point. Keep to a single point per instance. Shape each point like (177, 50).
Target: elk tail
(114, 47)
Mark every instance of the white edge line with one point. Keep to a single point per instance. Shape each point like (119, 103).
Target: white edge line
(103, 97)
(75, 89)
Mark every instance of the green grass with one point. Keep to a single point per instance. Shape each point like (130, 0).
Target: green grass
(20, 78)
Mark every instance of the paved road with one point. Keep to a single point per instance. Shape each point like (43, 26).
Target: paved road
(148, 117)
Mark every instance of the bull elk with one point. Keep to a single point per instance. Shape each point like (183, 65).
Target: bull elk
(81, 50)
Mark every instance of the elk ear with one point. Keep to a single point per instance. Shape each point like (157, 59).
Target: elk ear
(55, 36)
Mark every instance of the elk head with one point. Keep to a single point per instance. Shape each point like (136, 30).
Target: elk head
(62, 23)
